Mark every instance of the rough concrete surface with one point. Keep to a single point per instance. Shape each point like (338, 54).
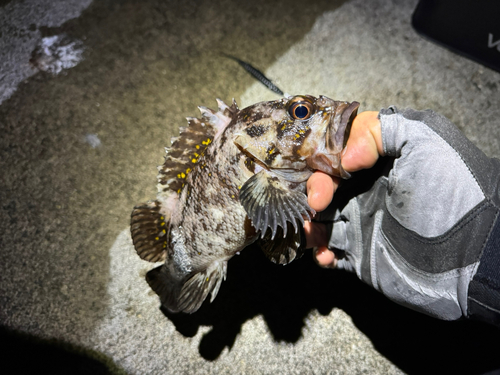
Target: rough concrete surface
(79, 149)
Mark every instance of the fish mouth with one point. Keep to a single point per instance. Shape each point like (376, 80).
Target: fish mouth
(344, 130)
(346, 119)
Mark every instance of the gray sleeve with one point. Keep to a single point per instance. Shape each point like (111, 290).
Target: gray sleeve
(419, 234)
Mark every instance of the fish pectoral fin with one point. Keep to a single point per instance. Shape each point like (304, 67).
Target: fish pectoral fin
(270, 202)
(148, 227)
(196, 289)
(286, 250)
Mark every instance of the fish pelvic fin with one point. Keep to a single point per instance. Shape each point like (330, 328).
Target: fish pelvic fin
(284, 250)
(149, 229)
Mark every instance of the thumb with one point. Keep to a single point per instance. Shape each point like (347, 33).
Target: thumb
(364, 145)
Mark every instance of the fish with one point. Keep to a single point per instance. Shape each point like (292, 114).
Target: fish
(231, 178)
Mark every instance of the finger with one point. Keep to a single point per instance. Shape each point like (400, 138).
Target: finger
(364, 144)
(325, 258)
(316, 234)
(320, 190)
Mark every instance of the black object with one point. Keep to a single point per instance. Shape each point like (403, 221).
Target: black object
(484, 289)
(257, 74)
(467, 27)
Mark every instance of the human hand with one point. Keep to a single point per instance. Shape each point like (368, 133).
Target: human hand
(424, 228)
(362, 151)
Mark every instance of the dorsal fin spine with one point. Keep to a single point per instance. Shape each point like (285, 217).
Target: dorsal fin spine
(187, 148)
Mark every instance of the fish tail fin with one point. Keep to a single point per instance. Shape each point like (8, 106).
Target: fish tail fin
(167, 287)
(177, 295)
(197, 288)
(149, 229)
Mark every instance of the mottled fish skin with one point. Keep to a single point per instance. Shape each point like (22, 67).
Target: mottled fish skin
(231, 178)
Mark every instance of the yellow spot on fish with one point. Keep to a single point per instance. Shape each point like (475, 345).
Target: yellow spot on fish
(164, 244)
(188, 170)
(199, 253)
(193, 160)
(283, 127)
(232, 195)
(239, 187)
(271, 151)
(162, 218)
(208, 278)
(210, 174)
(196, 155)
(297, 136)
(183, 175)
(197, 147)
(157, 238)
(163, 231)
(162, 224)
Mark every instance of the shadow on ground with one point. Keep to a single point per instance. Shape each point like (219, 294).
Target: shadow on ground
(26, 354)
(286, 295)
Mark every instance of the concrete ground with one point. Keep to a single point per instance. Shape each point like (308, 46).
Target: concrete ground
(79, 149)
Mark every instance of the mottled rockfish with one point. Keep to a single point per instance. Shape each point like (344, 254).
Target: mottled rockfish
(231, 178)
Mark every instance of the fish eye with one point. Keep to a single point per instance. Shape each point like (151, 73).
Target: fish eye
(301, 109)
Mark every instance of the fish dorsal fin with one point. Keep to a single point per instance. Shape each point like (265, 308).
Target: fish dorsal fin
(189, 146)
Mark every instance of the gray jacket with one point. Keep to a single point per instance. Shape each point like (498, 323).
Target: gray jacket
(427, 233)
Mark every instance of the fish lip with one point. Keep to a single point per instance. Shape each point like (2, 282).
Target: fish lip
(344, 130)
(346, 119)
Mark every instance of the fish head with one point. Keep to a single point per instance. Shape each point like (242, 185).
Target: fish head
(297, 133)
(330, 124)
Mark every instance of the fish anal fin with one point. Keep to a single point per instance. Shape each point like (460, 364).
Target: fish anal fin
(270, 202)
(149, 229)
(196, 289)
